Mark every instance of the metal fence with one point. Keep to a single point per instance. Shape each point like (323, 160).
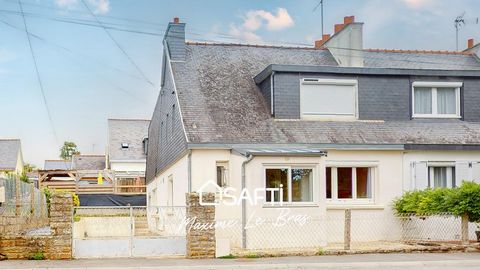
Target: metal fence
(22, 199)
(359, 230)
(128, 221)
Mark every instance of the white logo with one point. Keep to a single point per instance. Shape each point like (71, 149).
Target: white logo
(227, 195)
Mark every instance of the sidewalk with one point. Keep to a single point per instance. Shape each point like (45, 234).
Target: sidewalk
(367, 261)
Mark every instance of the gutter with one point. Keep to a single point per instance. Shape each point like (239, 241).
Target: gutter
(189, 157)
(244, 202)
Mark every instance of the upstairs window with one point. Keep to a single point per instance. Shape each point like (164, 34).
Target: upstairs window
(328, 99)
(436, 99)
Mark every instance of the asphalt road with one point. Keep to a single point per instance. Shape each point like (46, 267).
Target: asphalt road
(367, 261)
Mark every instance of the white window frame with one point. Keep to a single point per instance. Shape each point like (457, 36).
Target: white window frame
(226, 173)
(434, 86)
(373, 166)
(289, 183)
(431, 175)
(329, 116)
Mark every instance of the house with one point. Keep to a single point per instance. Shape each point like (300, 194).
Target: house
(127, 156)
(11, 158)
(336, 125)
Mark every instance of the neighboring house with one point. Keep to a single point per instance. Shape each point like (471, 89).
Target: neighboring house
(337, 125)
(127, 156)
(11, 158)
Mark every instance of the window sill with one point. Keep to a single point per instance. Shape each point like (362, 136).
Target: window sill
(431, 116)
(355, 206)
(291, 205)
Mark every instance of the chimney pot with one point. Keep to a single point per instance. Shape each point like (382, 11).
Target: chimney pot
(348, 19)
(176, 20)
(471, 43)
(338, 27)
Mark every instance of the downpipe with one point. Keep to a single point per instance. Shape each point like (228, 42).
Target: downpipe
(244, 202)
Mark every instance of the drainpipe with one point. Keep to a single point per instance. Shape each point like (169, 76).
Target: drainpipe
(244, 203)
(189, 157)
(272, 111)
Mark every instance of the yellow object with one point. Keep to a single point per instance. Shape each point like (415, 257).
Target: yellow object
(100, 179)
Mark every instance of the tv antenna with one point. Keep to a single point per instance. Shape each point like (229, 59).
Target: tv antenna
(461, 21)
(320, 4)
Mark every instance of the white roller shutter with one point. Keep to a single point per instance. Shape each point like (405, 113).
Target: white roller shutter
(462, 172)
(419, 175)
(476, 172)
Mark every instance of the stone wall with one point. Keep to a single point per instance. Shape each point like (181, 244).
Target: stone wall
(55, 246)
(15, 225)
(200, 232)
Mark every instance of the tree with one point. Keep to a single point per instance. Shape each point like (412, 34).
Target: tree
(68, 150)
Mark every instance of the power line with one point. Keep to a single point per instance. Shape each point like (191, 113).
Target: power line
(38, 74)
(117, 44)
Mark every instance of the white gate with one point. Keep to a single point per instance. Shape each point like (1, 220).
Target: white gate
(109, 232)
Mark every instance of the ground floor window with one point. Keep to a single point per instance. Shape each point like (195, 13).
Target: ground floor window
(441, 176)
(349, 183)
(296, 182)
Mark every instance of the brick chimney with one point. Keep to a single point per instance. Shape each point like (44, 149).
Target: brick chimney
(319, 43)
(346, 44)
(470, 43)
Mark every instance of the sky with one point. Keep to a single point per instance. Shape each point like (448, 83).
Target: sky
(89, 73)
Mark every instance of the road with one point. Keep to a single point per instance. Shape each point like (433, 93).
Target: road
(367, 261)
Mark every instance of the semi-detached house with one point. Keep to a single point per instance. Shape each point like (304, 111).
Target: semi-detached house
(336, 125)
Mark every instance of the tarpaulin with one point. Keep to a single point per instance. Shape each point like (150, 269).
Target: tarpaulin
(112, 200)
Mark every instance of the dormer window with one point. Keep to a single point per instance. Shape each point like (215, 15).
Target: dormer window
(125, 145)
(436, 99)
(328, 99)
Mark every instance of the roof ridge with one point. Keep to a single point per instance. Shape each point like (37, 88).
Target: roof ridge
(420, 51)
(127, 119)
(251, 45)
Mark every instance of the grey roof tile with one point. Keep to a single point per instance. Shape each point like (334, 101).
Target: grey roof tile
(88, 162)
(220, 102)
(57, 165)
(131, 131)
(9, 150)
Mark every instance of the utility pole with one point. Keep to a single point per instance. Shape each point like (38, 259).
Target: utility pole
(321, 12)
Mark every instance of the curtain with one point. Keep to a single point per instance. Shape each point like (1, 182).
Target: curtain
(423, 100)
(446, 101)
(440, 177)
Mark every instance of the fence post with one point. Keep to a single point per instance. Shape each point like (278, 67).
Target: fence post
(32, 200)
(132, 230)
(17, 196)
(465, 238)
(347, 229)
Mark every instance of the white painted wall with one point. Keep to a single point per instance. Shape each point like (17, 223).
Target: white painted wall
(125, 166)
(346, 46)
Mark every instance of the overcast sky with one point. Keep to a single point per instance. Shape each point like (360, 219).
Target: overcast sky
(88, 77)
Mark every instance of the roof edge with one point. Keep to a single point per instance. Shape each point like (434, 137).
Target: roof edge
(362, 71)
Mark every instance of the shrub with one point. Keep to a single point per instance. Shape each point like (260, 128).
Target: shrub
(463, 200)
(37, 256)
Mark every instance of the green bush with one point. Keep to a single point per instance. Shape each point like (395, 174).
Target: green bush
(463, 200)
(37, 256)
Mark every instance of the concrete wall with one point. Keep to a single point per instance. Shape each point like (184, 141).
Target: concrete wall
(128, 166)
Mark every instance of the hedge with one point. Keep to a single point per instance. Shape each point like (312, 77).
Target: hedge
(462, 200)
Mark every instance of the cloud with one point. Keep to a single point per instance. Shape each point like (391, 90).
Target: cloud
(419, 4)
(254, 19)
(99, 6)
(257, 19)
(245, 35)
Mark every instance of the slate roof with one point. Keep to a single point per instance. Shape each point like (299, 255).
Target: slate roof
(57, 165)
(220, 102)
(420, 60)
(9, 151)
(88, 162)
(131, 131)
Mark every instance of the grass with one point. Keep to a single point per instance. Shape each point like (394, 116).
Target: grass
(229, 256)
(38, 256)
(252, 256)
(320, 252)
